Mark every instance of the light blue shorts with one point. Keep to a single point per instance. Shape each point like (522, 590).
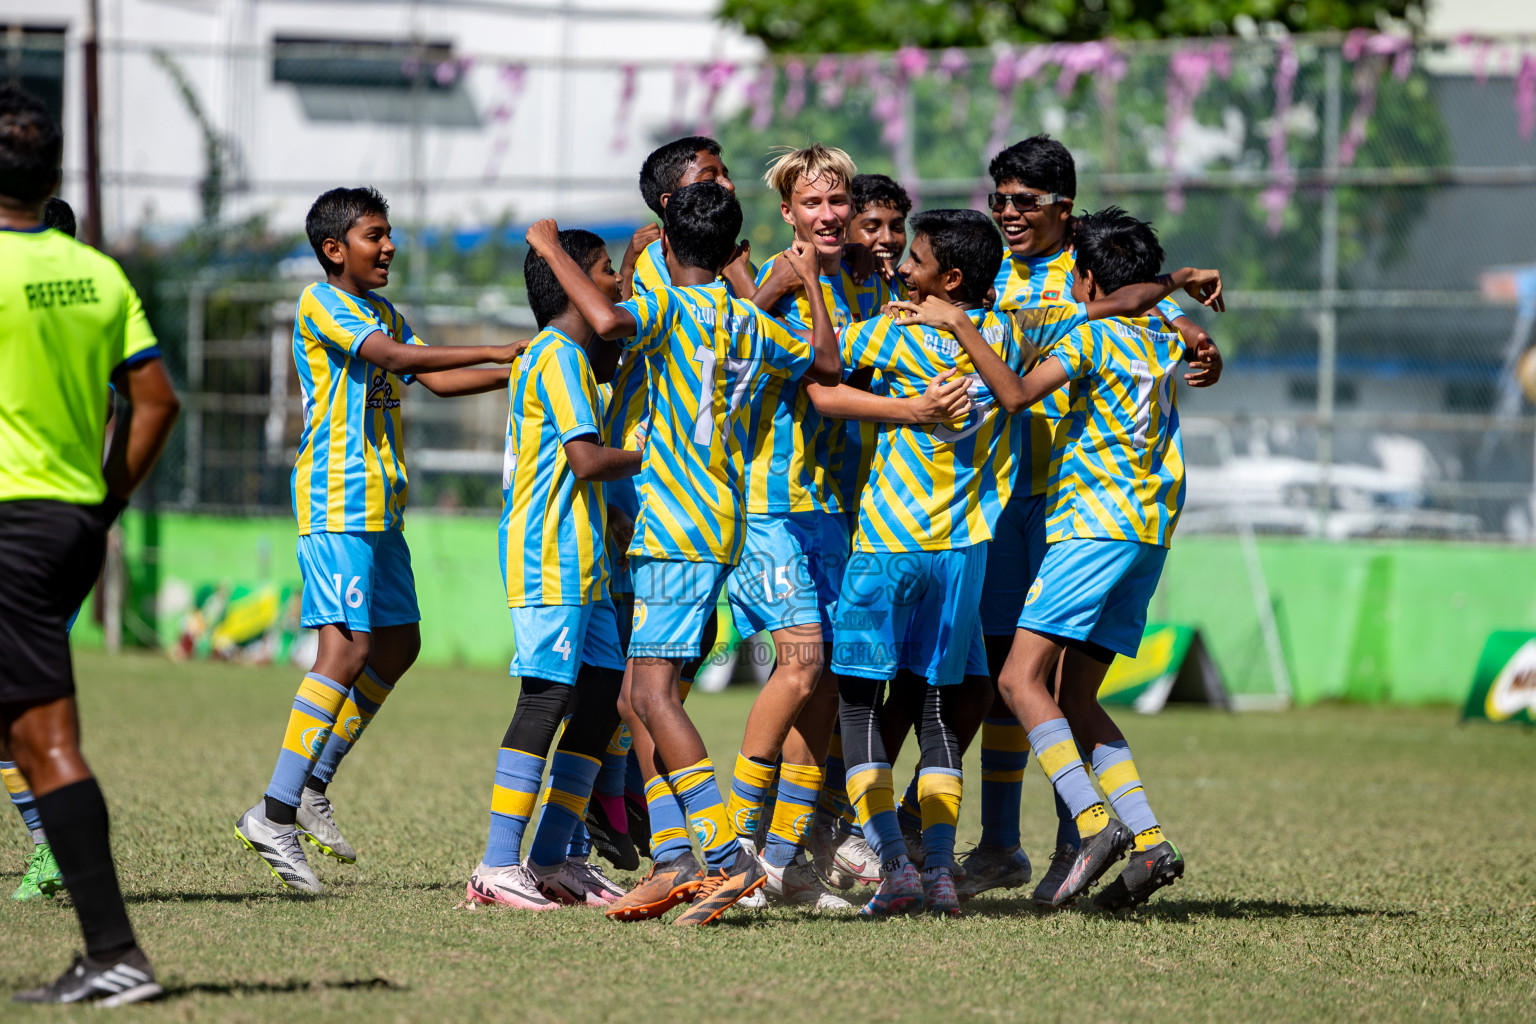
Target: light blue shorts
(672, 600)
(360, 580)
(1095, 590)
(917, 610)
(790, 572)
(554, 640)
(1013, 562)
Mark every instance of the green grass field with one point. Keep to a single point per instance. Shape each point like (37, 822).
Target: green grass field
(1345, 863)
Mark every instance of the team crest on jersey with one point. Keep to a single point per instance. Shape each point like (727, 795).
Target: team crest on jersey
(745, 822)
(639, 619)
(704, 829)
(353, 727)
(1055, 294)
(313, 739)
(1034, 590)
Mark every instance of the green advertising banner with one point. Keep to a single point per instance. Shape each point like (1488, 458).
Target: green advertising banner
(1504, 687)
(1172, 665)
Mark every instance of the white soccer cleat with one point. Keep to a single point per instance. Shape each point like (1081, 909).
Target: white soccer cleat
(510, 886)
(821, 841)
(796, 885)
(853, 856)
(317, 824)
(277, 845)
(598, 885)
(566, 885)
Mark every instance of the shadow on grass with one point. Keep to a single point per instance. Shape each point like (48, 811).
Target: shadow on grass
(1186, 910)
(295, 985)
(173, 896)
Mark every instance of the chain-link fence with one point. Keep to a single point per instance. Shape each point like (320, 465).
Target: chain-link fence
(1370, 201)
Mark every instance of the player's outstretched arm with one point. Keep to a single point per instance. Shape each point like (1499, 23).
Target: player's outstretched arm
(827, 368)
(388, 354)
(946, 398)
(1136, 299)
(1203, 355)
(647, 234)
(1013, 393)
(592, 461)
(458, 383)
(608, 320)
(143, 427)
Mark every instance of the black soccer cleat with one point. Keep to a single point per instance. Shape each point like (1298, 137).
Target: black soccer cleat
(125, 979)
(1146, 872)
(616, 847)
(1093, 858)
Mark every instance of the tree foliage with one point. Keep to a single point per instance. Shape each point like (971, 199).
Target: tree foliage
(817, 26)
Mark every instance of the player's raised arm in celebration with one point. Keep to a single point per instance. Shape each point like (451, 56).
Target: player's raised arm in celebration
(828, 367)
(1014, 393)
(607, 319)
(946, 398)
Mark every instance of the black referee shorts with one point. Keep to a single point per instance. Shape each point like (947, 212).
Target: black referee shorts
(50, 555)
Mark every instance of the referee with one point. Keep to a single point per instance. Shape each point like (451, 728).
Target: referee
(69, 324)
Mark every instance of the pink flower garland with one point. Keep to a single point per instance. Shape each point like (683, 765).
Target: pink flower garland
(1368, 52)
(682, 78)
(952, 69)
(715, 75)
(513, 77)
(794, 87)
(1525, 95)
(1277, 197)
(628, 79)
(1189, 70)
(760, 96)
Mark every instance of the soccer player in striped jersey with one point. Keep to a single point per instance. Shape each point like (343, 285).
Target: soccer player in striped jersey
(354, 351)
(797, 534)
(705, 352)
(880, 210)
(555, 569)
(910, 596)
(1117, 488)
(1035, 181)
(676, 164)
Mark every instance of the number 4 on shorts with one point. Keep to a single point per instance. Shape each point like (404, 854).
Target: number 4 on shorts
(563, 644)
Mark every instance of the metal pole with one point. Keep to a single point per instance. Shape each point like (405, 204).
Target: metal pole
(1328, 273)
(90, 229)
(418, 253)
(191, 486)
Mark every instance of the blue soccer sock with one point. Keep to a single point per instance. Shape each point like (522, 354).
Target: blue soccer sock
(21, 798)
(1122, 784)
(363, 702)
(669, 823)
(1004, 754)
(310, 722)
(565, 803)
(699, 794)
(873, 796)
(798, 787)
(749, 790)
(909, 813)
(518, 775)
(581, 843)
(1057, 753)
(939, 790)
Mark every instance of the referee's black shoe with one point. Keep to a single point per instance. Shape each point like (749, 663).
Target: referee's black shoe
(126, 978)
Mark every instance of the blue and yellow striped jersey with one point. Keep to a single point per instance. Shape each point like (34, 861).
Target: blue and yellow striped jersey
(799, 460)
(552, 524)
(1034, 283)
(704, 350)
(651, 271)
(349, 476)
(1120, 475)
(625, 410)
(934, 487)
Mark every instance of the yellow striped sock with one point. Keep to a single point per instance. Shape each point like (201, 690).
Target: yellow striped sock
(749, 791)
(1148, 839)
(1092, 821)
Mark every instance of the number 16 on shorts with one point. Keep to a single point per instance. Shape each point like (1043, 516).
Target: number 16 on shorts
(359, 580)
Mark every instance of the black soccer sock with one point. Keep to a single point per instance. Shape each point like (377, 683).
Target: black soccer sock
(315, 784)
(75, 818)
(279, 813)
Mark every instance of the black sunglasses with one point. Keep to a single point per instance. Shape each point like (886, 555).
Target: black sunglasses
(1023, 202)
